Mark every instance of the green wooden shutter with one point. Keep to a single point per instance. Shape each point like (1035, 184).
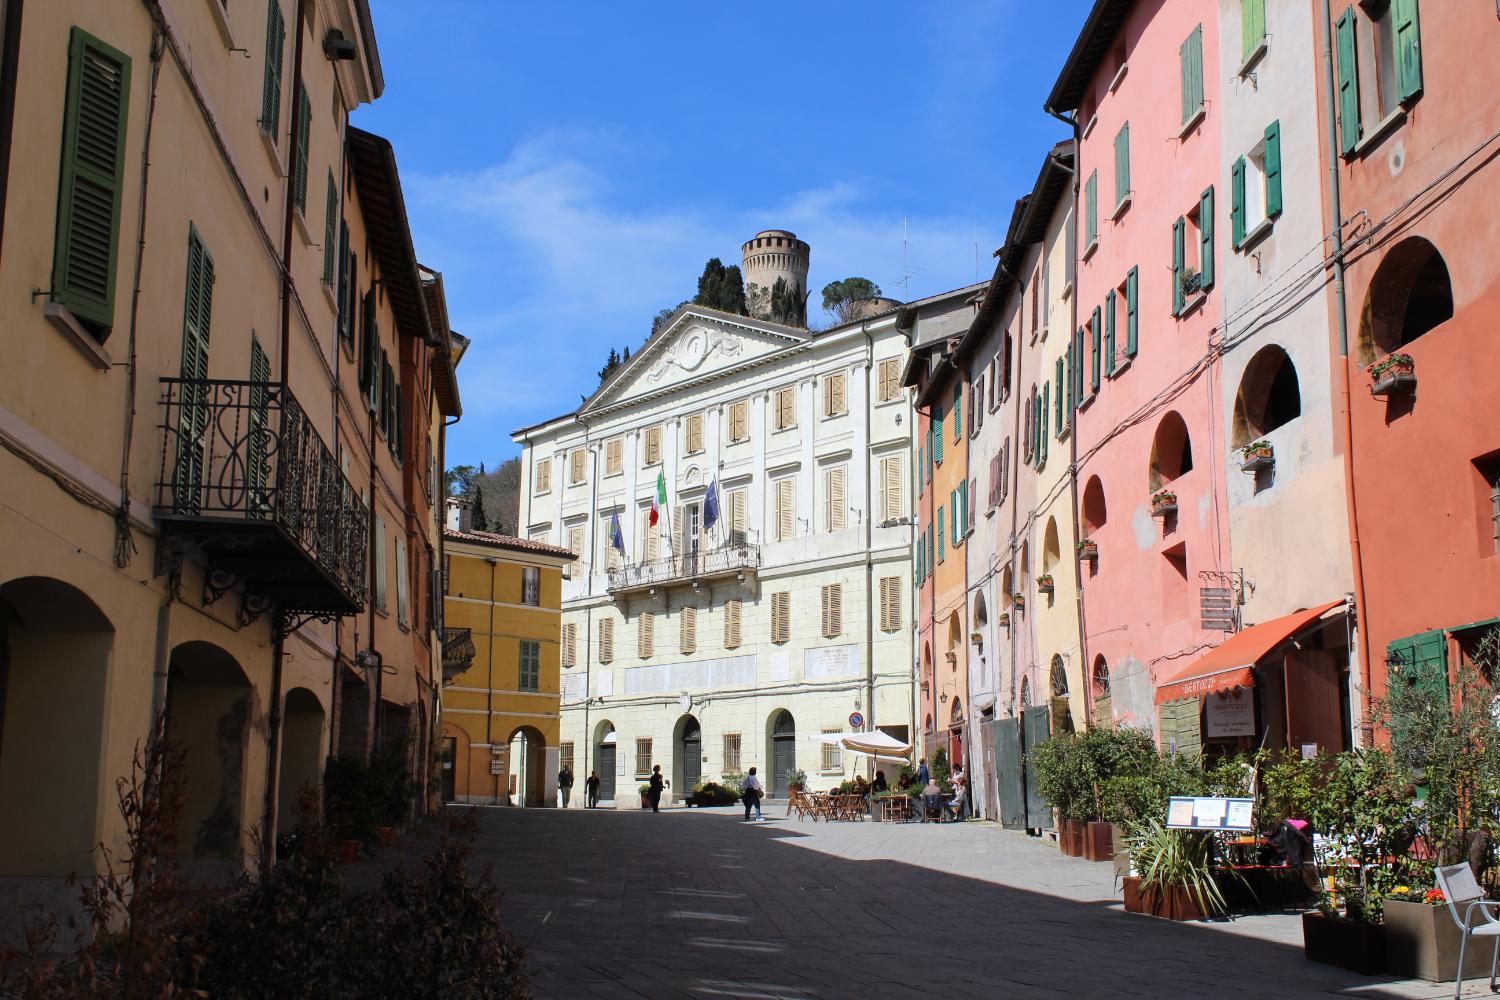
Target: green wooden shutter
(1272, 167)
(1237, 203)
(1408, 48)
(958, 412)
(1132, 309)
(1096, 335)
(193, 420)
(942, 539)
(1091, 210)
(1350, 127)
(963, 496)
(1059, 402)
(1043, 436)
(1252, 26)
(270, 98)
(92, 174)
(1122, 163)
(330, 230)
(1179, 257)
(937, 439)
(345, 296)
(256, 462)
(1421, 660)
(1109, 333)
(299, 174)
(1206, 237)
(1078, 365)
(1068, 385)
(953, 532)
(1190, 54)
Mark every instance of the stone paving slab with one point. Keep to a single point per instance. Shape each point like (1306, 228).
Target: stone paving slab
(696, 904)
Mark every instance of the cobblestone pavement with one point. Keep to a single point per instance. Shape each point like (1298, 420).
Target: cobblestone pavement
(695, 903)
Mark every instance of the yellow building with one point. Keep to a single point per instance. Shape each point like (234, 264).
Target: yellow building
(500, 713)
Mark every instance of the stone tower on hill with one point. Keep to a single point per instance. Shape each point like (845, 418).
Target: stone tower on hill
(775, 265)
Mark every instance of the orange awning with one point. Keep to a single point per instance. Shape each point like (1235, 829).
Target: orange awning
(1228, 666)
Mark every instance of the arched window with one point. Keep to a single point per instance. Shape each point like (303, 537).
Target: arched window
(1171, 450)
(958, 712)
(1051, 550)
(955, 638)
(1094, 512)
(1025, 692)
(1409, 295)
(1058, 677)
(981, 616)
(1268, 397)
(1007, 587)
(1101, 677)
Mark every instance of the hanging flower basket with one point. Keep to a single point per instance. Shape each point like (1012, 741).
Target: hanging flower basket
(1004, 620)
(1392, 373)
(1258, 455)
(1088, 549)
(1018, 601)
(1163, 502)
(1044, 583)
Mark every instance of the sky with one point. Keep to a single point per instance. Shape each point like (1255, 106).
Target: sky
(570, 166)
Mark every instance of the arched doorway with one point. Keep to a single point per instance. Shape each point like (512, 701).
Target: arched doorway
(209, 707)
(526, 784)
(687, 767)
(604, 759)
(783, 755)
(301, 758)
(55, 646)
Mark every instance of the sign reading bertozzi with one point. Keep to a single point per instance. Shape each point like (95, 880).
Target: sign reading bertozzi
(1230, 713)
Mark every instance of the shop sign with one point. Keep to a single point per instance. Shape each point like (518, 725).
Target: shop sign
(1231, 713)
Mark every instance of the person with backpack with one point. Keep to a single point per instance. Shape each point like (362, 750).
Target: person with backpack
(751, 793)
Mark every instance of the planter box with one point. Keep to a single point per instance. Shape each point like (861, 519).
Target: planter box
(1354, 946)
(1422, 942)
(1045, 586)
(1257, 460)
(1088, 550)
(1392, 379)
(1099, 842)
(1268, 889)
(1173, 903)
(1161, 508)
(1070, 837)
(1122, 853)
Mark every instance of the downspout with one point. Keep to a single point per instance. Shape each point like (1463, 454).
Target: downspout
(1341, 314)
(489, 684)
(869, 538)
(8, 59)
(278, 656)
(338, 396)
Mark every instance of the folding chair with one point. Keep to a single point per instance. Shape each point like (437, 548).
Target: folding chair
(1460, 888)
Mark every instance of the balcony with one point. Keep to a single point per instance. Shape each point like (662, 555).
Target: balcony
(738, 559)
(248, 482)
(458, 652)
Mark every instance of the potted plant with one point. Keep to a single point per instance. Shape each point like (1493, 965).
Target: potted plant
(1332, 939)
(1044, 584)
(645, 791)
(1088, 549)
(1392, 372)
(1190, 281)
(1018, 601)
(1175, 877)
(796, 779)
(1163, 502)
(1004, 620)
(1257, 455)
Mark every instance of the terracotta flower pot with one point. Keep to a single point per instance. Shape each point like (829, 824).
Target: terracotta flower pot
(1358, 947)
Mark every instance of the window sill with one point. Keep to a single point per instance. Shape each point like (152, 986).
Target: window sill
(1192, 303)
(992, 511)
(543, 493)
(1257, 233)
(1253, 58)
(299, 217)
(1382, 128)
(1088, 128)
(93, 352)
(273, 152)
(1091, 249)
(331, 295)
(1121, 207)
(1066, 292)
(1087, 401)
(1062, 435)
(1193, 122)
(1119, 368)
(826, 417)
(221, 21)
(1114, 84)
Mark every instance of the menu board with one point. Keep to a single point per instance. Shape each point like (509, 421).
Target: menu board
(1185, 812)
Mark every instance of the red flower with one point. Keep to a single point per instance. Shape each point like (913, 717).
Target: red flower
(1435, 897)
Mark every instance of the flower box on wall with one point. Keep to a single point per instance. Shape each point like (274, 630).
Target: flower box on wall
(1004, 620)
(1421, 941)
(1044, 584)
(1088, 549)
(1392, 373)
(1163, 502)
(1018, 601)
(1257, 456)
(1348, 944)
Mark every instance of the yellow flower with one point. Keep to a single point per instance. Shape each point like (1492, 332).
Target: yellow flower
(1401, 890)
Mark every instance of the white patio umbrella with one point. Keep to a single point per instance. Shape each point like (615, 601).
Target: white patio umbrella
(878, 745)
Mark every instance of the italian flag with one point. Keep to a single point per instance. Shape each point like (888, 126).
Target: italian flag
(660, 500)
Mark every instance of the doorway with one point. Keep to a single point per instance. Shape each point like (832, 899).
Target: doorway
(604, 757)
(450, 757)
(783, 752)
(690, 756)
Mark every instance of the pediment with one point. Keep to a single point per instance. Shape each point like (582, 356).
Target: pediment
(694, 345)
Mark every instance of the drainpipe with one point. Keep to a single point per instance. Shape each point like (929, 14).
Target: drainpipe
(8, 58)
(869, 540)
(489, 684)
(1341, 313)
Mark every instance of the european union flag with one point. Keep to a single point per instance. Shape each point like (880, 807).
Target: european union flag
(616, 537)
(711, 505)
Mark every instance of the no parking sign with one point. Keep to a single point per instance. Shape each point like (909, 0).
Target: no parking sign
(856, 721)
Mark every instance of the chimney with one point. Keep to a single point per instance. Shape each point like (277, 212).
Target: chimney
(460, 515)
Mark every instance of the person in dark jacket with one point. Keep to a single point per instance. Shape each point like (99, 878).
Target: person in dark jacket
(592, 788)
(565, 784)
(923, 774)
(654, 795)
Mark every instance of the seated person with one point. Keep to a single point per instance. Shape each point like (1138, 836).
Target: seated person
(932, 798)
(960, 799)
(879, 784)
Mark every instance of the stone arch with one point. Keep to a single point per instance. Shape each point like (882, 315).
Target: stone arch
(1095, 511)
(955, 638)
(605, 746)
(527, 767)
(1410, 294)
(781, 750)
(210, 704)
(1171, 450)
(1268, 397)
(687, 754)
(55, 650)
(301, 770)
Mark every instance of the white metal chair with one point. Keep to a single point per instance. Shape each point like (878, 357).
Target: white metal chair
(1460, 888)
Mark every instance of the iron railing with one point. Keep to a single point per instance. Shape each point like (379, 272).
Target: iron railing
(241, 451)
(723, 561)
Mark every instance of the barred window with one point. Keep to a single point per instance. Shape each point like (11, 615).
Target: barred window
(731, 752)
(642, 758)
(566, 754)
(833, 754)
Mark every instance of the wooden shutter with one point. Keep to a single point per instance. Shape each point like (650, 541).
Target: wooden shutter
(345, 296)
(937, 438)
(1122, 163)
(575, 466)
(1350, 126)
(369, 343)
(737, 512)
(1109, 332)
(653, 445)
(543, 475)
(890, 489)
(1272, 167)
(694, 433)
(888, 378)
(330, 225)
(732, 614)
(890, 604)
(1057, 403)
(833, 610)
(1132, 320)
(958, 412)
(256, 467)
(679, 533)
(1078, 366)
(1096, 340)
(89, 188)
(652, 535)
(614, 451)
(833, 394)
(569, 644)
(1191, 56)
(688, 626)
(738, 420)
(1179, 257)
(1252, 26)
(1237, 203)
(784, 510)
(575, 539)
(606, 640)
(380, 558)
(1091, 210)
(270, 98)
(785, 409)
(942, 538)
(781, 610)
(1043, 436)
(1408, 48)
(299, 173)
(193, 420)
(645, 635)
(833, 500)
(1206, 237)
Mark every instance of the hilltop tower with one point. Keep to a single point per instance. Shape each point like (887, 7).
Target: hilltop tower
(776, 255)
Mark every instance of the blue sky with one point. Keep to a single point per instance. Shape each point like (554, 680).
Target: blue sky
(569, 166)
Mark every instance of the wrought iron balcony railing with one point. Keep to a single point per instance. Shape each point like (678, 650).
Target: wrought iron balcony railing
(246, 476)
(729, 560)
(458, 651)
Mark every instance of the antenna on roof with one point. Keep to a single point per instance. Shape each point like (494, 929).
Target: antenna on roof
(907, 272)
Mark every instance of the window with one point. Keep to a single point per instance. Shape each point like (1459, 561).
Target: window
(1060, 376)
(299, 151)
(687, 623)
(833, 754)
(570, 644)
(936, 445)
(781, 618)
(1111, 359)
(543, 476)
(958, 412)
(739, 421)
(889, 378)
(645, 636)
(890, 604)
(834, 396)
(614, 456)
(1132, 312)
(976, 406)
(330, 229)
(531, 665)
(692, 433)
(403, 608)
(642, 758)
(942, 539)
(1389, 40)
(833, 610)
(651, 547)
(834, 503)
(369, 352)
(652, 450)
(575, 539)
(1190, 54)
(785, 510)
(380, 558)
(1036, 302)
(1252, 27)
(1410, 294)
(1171, 451)
(566, 754)
(348, 292)
(1090, 214)
(531, 585)
(1095, 514)
(577, 466)
(890, 489)
(786, 408)
(612, 556)
(1488, 469)
(739, 519)
(1096, 346)
(1255, 187)
(1193, 235)
(1269, 396)
(1122, 167)
(606, 640)
(270, 98)
(733, 611)
(731, 752)
(89, 188)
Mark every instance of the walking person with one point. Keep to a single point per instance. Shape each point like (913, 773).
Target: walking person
(565, 784)
(924, 775)
(752, 792)
(654, 795)
(591, 788)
